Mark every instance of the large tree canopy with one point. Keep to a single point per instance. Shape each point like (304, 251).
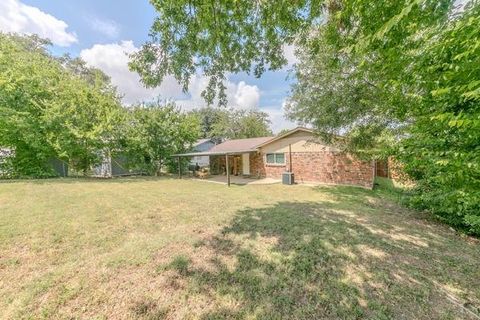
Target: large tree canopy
(153, 132)
(412, 91)
(217, 37)
(221, 123)
(49, 111)
(58, 107)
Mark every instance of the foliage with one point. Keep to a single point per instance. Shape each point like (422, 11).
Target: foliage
(220, 37)
(50, 112)
(330, 95)
(60, 108)
(24, 77)
(85, 121)
(421, 105)
(219, 123)
(156, 131)
(283, 131)
(207, 118)
(237, 124)
(350, 68)
(442, 151)
(79, 68)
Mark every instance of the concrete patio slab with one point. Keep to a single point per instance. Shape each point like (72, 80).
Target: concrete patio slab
(238, 180)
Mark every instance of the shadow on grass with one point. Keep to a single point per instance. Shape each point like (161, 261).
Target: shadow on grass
(324, 261)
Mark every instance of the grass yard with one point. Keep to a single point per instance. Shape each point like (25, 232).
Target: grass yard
(171, 249)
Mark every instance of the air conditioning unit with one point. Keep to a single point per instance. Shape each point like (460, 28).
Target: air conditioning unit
(288, 178)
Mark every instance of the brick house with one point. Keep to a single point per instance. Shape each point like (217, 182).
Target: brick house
(297, 151)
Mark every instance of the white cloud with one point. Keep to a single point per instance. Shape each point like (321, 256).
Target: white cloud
(21, 18)
(113, 60)
(277, 116)
(246, 96)
(239, 95)
(108, 28)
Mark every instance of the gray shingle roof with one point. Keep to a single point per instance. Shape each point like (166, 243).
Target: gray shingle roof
(200, 141)
(239, 145)
(235, 146)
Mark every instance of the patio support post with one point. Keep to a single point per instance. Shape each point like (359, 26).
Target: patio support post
(290, 157)
(228, 169)
(179, 168)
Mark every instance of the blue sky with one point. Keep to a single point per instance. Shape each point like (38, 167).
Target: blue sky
(102, 31)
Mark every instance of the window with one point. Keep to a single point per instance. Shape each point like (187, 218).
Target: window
(275, 158)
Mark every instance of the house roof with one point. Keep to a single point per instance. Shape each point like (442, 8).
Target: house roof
(237, 146)
(286, 134)
(200, 141)
(234, 146)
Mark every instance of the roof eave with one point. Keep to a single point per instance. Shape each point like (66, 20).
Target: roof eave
(219, 153)
(286, 134)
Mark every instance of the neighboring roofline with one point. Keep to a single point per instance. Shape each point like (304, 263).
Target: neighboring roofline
(202, 141)
(297, 129)
(219, 153)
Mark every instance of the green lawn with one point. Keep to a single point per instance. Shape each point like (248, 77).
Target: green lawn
(181, 249)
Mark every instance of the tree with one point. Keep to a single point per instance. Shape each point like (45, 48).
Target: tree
(219, 37)
(207, 118)
(283, 131)
(83, 124)
(92, 76)
(220, 123)
(347, 107)
(238, 124)
(47, 111)
(411, 91)
(23, 77)
(442, 149)
(155, 132)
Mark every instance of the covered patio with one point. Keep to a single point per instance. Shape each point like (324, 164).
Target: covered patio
(231, 160)
(229, 157)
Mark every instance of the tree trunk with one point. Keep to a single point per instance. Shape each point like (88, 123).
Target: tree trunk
(158, 169)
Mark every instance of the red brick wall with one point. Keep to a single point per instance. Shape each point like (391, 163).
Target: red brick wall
(257, 167)
(325, 167)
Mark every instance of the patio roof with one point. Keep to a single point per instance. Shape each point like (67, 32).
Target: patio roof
(210, 153)
(236, 146)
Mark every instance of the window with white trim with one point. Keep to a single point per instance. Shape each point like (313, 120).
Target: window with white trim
(275, 158)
